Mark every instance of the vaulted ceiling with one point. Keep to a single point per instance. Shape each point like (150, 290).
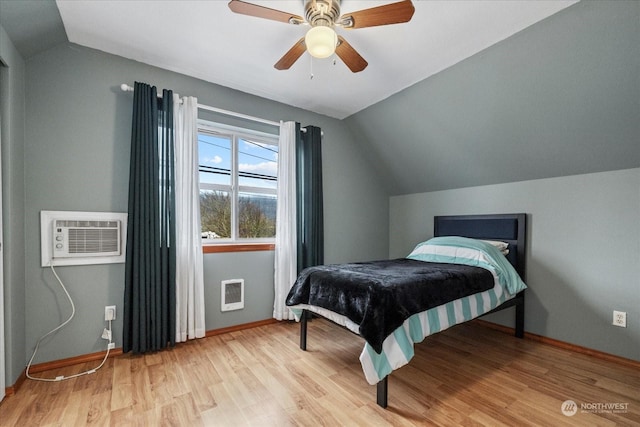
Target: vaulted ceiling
(467, 93)
(204, 39)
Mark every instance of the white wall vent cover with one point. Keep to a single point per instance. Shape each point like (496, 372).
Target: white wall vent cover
(232, 294)
(80, 238)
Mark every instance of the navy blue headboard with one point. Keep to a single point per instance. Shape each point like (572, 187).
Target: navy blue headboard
(510, 228)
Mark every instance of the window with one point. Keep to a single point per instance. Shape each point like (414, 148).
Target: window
(238, 178)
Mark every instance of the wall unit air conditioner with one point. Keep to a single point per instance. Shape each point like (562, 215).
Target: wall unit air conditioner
(77, 238)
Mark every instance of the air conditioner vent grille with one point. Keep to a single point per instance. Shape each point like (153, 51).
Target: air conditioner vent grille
(82, 238)
(73, 238)
(86, 240)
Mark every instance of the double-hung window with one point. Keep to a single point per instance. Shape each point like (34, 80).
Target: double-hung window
(238, 178)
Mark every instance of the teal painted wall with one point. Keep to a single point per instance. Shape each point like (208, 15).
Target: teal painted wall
(77, 158)
(546, 122)
(12, 112)
(583, 257)
(558, 98)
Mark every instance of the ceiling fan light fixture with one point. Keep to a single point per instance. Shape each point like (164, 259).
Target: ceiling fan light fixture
(321, 41)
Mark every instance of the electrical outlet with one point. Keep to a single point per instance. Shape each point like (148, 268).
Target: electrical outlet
(112, 345)
(620, 318)
(110, 312)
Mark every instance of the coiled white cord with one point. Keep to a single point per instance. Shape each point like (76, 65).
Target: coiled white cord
(73, 312)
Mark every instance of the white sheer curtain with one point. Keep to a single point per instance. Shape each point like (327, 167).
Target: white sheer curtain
(286, 246)
(189, 271)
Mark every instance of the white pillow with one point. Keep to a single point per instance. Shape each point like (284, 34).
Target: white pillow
(461, 250)
(500, 245)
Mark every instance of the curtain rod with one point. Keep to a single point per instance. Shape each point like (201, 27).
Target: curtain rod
(126, 88)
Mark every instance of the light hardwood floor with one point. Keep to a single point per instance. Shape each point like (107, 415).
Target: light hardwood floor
(468, 375)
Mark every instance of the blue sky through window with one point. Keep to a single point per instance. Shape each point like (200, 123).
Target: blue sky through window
(257, 161)
(215, 159)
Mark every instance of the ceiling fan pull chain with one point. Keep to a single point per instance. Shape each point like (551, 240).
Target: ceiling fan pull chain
(310, 67)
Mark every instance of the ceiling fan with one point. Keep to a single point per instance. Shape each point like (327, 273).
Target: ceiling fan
(321, 41)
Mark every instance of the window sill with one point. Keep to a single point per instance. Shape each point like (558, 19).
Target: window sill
(238, 247)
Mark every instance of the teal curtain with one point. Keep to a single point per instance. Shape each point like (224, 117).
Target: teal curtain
(150, 298)
(310, 221)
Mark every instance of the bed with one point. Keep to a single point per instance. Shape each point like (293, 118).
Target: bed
(394, 304)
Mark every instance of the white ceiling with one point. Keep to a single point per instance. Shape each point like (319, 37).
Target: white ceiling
(204, 39)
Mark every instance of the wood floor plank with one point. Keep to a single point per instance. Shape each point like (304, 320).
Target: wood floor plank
(180, 411)
(122, 391)
(268, 413)
(469, 375)
(76, 410)
(225, 413)
(99, 411)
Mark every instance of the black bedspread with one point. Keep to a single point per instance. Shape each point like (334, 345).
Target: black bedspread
(381, 295)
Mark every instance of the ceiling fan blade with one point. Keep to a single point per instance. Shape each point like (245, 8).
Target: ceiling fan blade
(349, 56)
(394, 13)
(251, 9)
(291, 56)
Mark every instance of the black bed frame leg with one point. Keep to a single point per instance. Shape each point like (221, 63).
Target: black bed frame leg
(303, 330)
(520, 318)
(382, 390)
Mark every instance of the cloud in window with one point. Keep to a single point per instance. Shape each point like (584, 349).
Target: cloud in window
(267, 168)
(215, 160)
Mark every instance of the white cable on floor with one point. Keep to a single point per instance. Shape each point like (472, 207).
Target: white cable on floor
(73, 312)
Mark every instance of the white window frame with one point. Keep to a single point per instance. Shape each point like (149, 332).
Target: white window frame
(235, 134)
